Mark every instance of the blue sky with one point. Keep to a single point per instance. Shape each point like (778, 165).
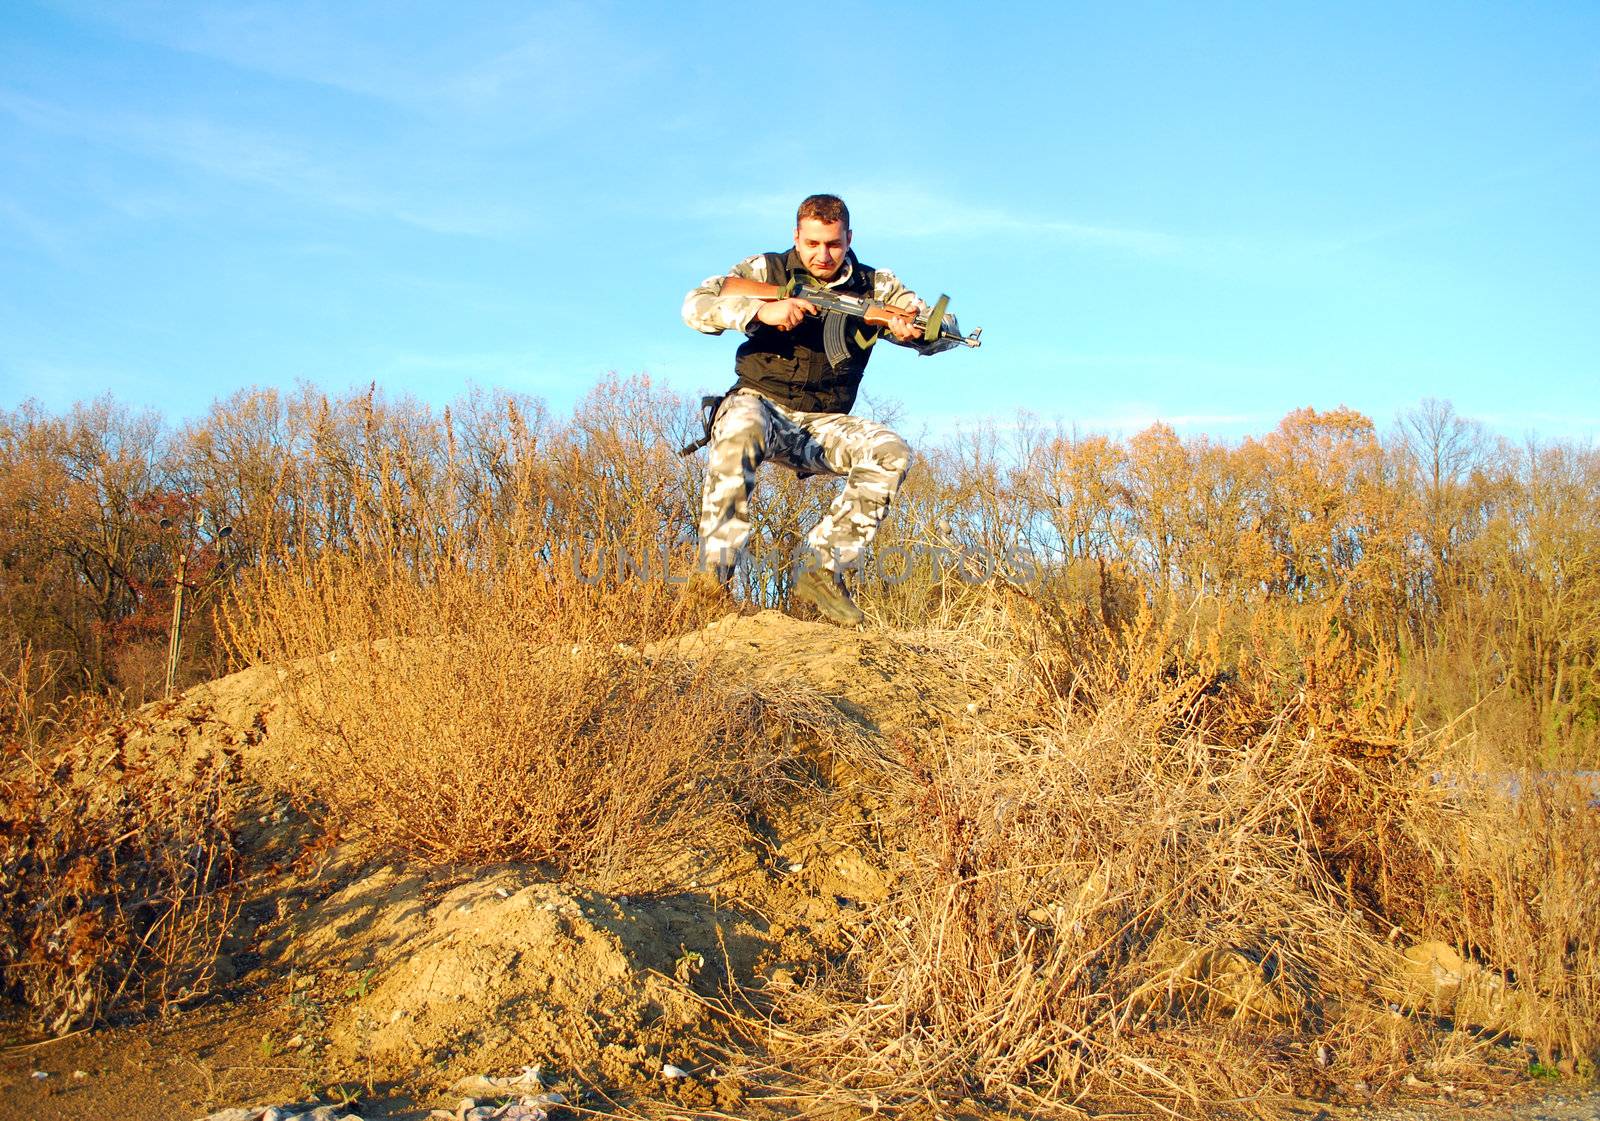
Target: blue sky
(1207, 214)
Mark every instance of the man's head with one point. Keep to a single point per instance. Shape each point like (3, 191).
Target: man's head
(822, 235)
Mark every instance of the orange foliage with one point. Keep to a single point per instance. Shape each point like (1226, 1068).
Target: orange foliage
(1472, 561)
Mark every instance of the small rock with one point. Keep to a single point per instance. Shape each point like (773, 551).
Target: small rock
(80, 1075)
(529, 1076)
(40, 1075)
(796, 866)
(522, 1111)
(1436, 963)
(670, 1071)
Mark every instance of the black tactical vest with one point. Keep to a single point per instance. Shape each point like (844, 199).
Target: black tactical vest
(791, 366)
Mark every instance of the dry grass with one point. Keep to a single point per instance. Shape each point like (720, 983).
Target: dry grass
(594, 763)
(1181, 890)
(1510, 880)
(512, 715)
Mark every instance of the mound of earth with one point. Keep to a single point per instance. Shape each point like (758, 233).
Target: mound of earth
(476, 970)
(349, 964)
(386, 973)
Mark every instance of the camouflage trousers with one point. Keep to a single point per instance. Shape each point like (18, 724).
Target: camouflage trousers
(750, 429)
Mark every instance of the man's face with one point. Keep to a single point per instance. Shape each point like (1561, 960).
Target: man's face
(821, 246)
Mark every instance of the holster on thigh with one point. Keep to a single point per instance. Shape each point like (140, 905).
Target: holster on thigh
(709, 407)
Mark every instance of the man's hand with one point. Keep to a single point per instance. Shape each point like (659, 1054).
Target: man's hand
(904, 329)
(784, 314)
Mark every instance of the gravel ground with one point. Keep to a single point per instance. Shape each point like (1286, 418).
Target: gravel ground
(1575, 1103)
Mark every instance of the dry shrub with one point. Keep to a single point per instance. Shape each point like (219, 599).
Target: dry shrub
(1237, 676)
(465, 660)
(590, 761)
(1097, 915)
(1513, 886)
(1190, 887)
(117, 865)
(501, 708)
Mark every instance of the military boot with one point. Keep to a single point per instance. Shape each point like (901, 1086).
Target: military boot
(827, 591)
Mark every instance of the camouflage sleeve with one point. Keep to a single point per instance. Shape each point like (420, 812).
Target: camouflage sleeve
(886, 286)
(707, 310)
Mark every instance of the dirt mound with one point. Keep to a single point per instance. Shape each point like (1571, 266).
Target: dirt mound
(471, 971)
(419, 978)
(888, 681)
(428, 976)
(885, 681)
(504, 971)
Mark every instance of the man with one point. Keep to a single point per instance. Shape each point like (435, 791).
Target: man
(792, 405)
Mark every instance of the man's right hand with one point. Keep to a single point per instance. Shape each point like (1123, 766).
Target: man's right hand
(784, 314)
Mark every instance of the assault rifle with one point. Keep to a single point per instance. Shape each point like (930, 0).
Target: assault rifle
(939, 330)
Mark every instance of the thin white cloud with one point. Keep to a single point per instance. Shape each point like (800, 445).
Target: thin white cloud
(548, 63)
(914, 213)
(1170, 365)
(945, 425)
(1467, 198)
(294, 41)
(520, 368)
(40, 232)
(58, 384)
(551, 67)
(1138, 422)
(262, 161)
(1545, 423)
(1143, 361)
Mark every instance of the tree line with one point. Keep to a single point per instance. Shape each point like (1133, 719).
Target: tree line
(1474, 558)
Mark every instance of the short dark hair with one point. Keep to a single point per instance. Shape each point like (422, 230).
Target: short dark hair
(824, 208)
